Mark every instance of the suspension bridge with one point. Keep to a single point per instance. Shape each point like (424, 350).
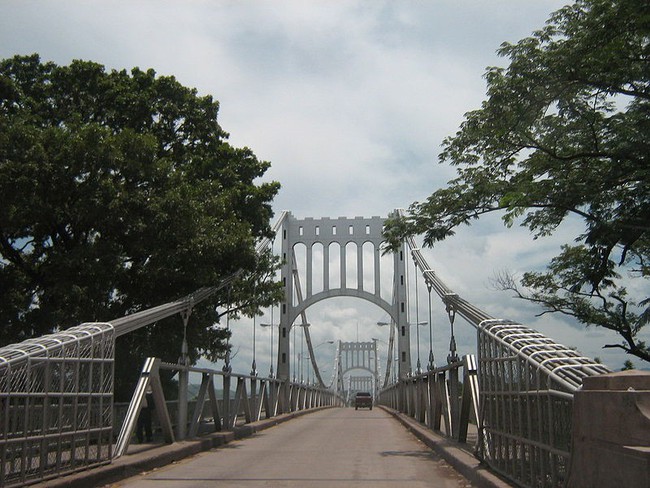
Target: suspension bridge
(511, 401)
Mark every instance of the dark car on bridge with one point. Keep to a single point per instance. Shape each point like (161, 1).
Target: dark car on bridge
(362, 399)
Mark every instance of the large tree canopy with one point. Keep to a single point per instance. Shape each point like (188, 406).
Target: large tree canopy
(118, 191)
(565, 130)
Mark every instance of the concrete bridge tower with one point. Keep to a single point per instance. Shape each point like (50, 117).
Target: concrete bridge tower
(346, 236)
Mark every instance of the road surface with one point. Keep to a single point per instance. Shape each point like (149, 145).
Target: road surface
(337, 447)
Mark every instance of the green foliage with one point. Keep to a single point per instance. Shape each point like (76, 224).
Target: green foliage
(565, 130)
(119, 191)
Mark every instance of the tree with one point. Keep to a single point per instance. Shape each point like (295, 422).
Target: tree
(118, 192)
(627, 365)
(564, 131)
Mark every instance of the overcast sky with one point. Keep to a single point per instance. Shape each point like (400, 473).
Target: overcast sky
(349, 101)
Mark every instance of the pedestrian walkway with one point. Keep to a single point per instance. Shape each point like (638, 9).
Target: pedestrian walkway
(329, 448)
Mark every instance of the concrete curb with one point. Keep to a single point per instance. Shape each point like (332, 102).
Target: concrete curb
(459, 459)
(157, 457)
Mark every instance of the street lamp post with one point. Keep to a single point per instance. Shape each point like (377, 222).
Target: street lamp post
(411, 324)
(227, 368)
(270, 326)
(322, 371)
(314, 349)
(393, 365)
(254, 365)
(393, 362)
(418, 369)
(376, 375)
(302, 344)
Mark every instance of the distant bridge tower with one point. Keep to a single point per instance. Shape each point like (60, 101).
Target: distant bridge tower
(341, 243)
(361, 383)
(355, 356)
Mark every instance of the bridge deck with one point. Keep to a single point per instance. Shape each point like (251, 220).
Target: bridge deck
(330, 448)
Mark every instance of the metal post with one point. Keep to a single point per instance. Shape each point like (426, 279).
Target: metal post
(452, 358)
(432, 364)
(183, 380)
(227, 421)
(301, 357)
(271, 326)
(454, 402)
(418, 368)
(254, 365)
(271, 353)
(253, 397)
(295, 355)
(376, 369)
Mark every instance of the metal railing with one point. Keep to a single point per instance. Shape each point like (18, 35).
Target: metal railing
(56, 404)
(254, 398)
(56, 396)
(527, 383)
(56, 401)
(438, 399)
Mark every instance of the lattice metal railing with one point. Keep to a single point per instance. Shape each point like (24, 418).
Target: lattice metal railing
(56, 395)
(56, 401)
(527, 382)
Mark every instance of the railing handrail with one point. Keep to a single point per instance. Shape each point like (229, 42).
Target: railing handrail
(218, 372)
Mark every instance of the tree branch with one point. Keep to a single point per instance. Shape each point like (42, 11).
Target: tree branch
(15, 257)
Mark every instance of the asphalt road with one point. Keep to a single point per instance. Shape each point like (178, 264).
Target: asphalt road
(330, 448)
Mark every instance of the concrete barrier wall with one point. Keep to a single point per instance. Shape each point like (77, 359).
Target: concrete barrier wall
(611, 432)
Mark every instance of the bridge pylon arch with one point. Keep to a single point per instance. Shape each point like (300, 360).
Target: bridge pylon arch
(341, 231)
